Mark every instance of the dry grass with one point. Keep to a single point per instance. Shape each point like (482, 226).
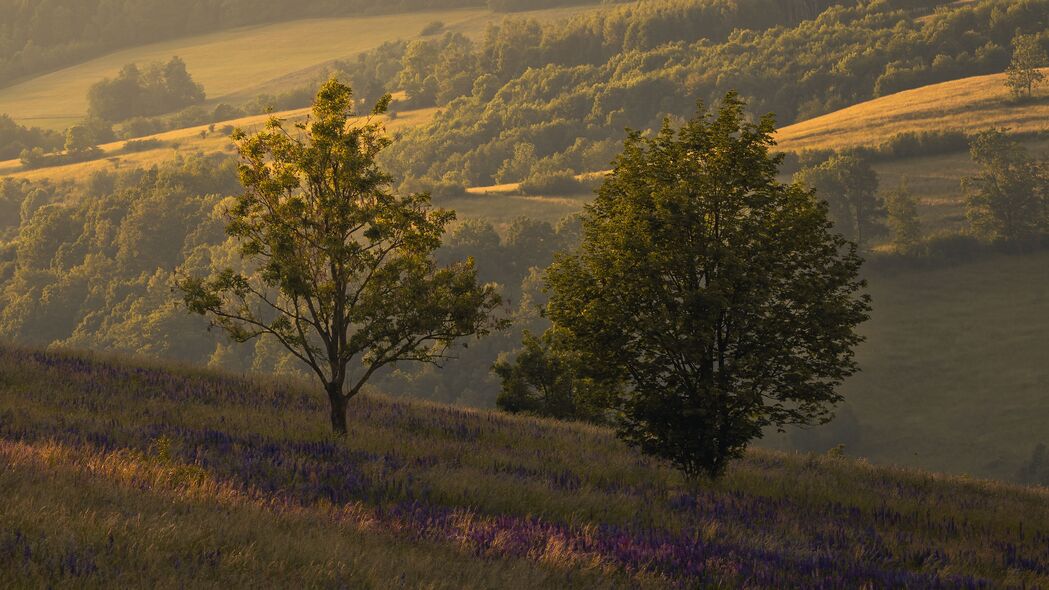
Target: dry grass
(184, 141)
(239, 63)
(969, 105)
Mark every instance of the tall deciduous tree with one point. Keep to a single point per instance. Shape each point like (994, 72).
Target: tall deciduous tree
(850, 186)
(1009, 198)
(721, 297)
(346, 280)
(904, 221)
(1023, 74)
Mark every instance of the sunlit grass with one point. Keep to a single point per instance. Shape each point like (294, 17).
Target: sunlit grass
(128, 473)
(968, 105)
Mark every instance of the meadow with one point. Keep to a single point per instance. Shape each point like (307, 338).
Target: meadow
(115, 472)
(238, 65)
(970, 105)
(202, 139)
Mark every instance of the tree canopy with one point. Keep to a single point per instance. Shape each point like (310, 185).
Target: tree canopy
(719, 296)
(344, 273)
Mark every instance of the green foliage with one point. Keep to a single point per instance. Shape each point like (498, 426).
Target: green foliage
(15, 138)
(717, 294)
(549, 377)
(567, 87)
(904, 222)
(40, 36)
(1009, 198)
(1023, 73)
(160, 88)
(850, 186)
(346, 279)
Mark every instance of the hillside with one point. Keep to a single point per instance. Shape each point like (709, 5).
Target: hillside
(968, 105)
(240, 64)
(191, 140)
(115, 473)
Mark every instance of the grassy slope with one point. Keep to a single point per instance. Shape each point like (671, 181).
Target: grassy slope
(240, 63)
(969, 104)
(184, 141)
(121, 474)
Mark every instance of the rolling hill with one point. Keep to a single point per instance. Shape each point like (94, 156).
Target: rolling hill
(191, 140)
(969, 105)
(115, 473)
(242, 63)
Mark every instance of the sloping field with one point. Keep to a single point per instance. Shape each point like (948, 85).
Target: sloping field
(969, 105)
(117, 474)
(191, 140)
(231, 62)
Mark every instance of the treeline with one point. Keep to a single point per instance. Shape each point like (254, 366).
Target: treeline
(565, 89)
(160, 87)
(40, 36)
(15, 138)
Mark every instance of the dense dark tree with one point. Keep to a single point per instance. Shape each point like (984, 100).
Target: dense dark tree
(903, 219)
(160, 88)
(719, 296)
(347, 282)
(1009, 197)
(850, 186)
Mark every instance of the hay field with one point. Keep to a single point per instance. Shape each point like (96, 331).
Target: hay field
(191, 140)
(969, 104)
(240, 63)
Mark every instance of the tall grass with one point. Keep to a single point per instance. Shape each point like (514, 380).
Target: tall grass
(125, 473)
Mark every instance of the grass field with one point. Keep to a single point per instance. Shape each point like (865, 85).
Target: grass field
(240, 63)
(955, 370)
(190, 140)
(968, 105)
(119, 474)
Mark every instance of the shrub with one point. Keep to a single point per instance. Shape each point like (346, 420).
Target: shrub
(432, 28)
(561, 182)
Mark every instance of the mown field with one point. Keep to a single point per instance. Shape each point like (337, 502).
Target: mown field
(117, 473)
(968, 105)
(203, 139)
(240, 64)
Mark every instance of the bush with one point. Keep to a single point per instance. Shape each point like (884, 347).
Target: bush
(562, 182)
(141, 145)
(432, 28)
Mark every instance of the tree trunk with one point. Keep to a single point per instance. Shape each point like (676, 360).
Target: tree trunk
(338, 409)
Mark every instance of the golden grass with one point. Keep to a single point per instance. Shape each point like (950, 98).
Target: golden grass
(969, 104)
(180, 141)
(238, 63)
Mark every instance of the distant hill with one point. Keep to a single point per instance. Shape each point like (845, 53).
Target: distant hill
(159, 148)
(237, 65)
(968, 105)
(120, 473)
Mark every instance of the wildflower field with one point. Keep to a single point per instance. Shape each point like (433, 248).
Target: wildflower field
(123, 474)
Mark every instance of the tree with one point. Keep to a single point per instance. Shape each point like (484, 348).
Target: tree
(904, 222)
(78, 140)
(1023, 74)
(1009, 197)
(346, 280)
(720, 297)
(549, 377)
(850, 186)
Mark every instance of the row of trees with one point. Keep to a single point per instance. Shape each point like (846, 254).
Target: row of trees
(135, 92)
(1007, 200)
(566, 89)
(40, 36)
